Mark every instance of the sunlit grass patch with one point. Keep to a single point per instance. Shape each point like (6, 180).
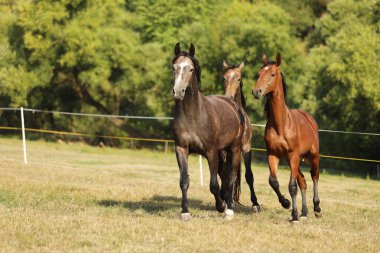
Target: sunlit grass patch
(113, 200)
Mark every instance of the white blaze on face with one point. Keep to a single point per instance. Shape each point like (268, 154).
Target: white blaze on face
(178, 81)
(232, 75)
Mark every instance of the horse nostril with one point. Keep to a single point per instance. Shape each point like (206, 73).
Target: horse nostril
(183, 90)
(260, 90)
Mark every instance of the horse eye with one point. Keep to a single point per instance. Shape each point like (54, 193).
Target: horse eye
(191, 70)
(272, 74)
(239, 79)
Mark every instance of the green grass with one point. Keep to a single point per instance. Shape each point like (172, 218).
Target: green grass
(76, 198)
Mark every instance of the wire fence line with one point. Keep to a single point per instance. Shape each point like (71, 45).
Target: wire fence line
(156, 118)
(166, 141)
(158, 140)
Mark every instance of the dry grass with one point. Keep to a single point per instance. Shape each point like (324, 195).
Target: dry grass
(75, 198)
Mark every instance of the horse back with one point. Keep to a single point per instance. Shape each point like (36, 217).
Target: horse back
(307, 129)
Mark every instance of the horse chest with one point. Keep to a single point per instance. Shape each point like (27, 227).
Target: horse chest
(188, 137)
(275, 142)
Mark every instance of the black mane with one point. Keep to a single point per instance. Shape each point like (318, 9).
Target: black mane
(267, 97)
(197, 68)
(242, 98)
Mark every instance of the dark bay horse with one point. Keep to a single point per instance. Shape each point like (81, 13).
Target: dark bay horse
(233, 85)
(205, 125)
(289, 133)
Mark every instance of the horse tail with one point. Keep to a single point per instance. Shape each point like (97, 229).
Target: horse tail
(237, 188)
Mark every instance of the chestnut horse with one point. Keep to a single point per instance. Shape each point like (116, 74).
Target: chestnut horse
(205, 125)
(233, 85)
(289, 133)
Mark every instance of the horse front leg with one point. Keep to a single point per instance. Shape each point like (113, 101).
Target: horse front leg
(250, 181)
(273, 165)
(212, 158)
(182, 154)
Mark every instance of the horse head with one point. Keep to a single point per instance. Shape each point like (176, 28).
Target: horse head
(185, 71)
(232, 79)
(269, 75)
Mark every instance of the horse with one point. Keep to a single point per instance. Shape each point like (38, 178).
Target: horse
(205, 125)
(233, 85)
(290, 134)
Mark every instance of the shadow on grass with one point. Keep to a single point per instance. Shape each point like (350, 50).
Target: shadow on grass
(159, 203)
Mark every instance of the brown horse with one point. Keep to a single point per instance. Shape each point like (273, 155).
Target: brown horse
(289, 133)
(233, 85)
(205, 125)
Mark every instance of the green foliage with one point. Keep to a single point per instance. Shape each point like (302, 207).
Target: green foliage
(301, 14)
(342, 84)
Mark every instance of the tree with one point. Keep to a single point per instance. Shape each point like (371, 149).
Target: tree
(342, 84)
(78, 55)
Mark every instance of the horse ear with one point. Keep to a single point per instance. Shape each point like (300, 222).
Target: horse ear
(225, 65)
(278, 59)
(192, 50)
(177, 49)
(241, 66)
(264, 59)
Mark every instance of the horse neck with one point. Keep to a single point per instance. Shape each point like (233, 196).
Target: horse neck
(277, 108)
(191, 105)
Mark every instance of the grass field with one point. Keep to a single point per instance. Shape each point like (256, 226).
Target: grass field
(76, 198)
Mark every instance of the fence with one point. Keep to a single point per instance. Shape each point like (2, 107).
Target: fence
(166, 141)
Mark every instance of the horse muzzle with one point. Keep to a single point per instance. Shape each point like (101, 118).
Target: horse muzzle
(178, 94)
(257, 93)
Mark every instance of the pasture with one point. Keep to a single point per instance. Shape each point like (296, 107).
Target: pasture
(77, 198)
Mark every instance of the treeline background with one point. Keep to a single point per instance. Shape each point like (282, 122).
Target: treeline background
(114, 57)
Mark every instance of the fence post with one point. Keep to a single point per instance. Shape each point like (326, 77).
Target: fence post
(23, 134)
(166, 146)
(201, 169)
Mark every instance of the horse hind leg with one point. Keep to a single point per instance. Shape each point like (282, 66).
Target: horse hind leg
(294, 160)
(223, 172)
(273, 164)
(314, 164)
(232, 195)
(212, 158)
(302, 185)
(250, 181)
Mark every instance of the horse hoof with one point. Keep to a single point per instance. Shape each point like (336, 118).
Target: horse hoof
(256, 208)
(222, 209)
(318, 214)
(285, 204)
(303, 218)
(229, 214)
(293, 220)
(185, 216)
